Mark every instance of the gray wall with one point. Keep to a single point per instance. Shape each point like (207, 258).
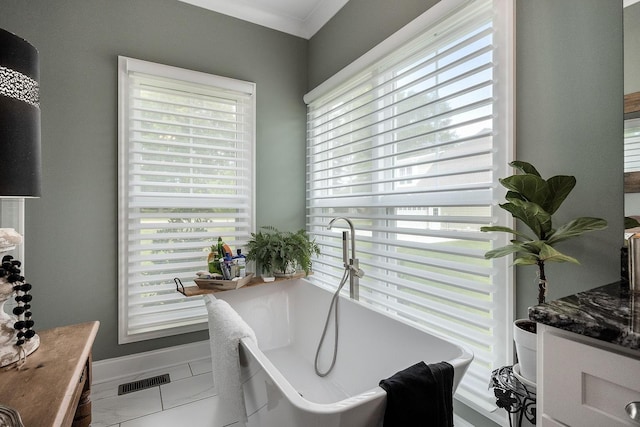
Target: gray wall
(359, 26)
(632, 48)
(71, 232)
(569, 120)
(568, 116)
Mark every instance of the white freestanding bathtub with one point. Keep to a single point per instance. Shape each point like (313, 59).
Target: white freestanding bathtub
(280, 385)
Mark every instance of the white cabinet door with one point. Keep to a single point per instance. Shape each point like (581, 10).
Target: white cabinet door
(548, 422)
(586, 386)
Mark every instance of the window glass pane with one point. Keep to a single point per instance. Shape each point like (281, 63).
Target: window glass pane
(632, 145)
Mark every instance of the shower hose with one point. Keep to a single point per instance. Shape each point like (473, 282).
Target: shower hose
(334, 301)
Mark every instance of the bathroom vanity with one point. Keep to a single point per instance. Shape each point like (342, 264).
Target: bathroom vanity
(588, 358)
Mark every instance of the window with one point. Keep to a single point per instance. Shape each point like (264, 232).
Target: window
(186, 150)
(632, 145)
(409, 142)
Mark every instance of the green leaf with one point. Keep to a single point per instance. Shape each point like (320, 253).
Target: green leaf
(559, 188)
(534, 217)
(526, 260)
(502, 251)
(549, 194)
(630, 222)
(523, 248)
(576, 228)
(505, 230)
(533, 246)
(512, 195)
(549, 254)
(524, 167)
(531, 187)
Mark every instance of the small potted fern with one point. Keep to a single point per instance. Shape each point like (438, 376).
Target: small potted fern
(281, 253)
(533, 200)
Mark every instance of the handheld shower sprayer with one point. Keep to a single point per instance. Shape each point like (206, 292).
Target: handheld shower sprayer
(345, 257)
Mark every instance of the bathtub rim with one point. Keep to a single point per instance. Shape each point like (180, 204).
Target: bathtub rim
(460, 364)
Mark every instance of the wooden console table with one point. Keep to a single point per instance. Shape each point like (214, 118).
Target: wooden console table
(53, 388)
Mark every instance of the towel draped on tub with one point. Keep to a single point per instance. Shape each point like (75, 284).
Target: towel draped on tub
(421, 395)
(226, 329)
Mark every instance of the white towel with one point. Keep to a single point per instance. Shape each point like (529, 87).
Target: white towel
(226, 329)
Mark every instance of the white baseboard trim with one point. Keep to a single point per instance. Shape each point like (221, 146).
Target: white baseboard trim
(125, 366)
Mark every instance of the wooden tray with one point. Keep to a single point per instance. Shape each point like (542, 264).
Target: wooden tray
(223, 285)
(192, 291)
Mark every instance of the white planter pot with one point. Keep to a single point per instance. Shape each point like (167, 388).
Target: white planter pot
(526, 348)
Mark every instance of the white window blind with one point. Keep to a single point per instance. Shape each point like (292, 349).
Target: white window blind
(410, 147)
(632, 145)
(186, 150)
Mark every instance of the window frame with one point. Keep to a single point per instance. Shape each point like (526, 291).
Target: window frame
(504, 21)
(126, 66)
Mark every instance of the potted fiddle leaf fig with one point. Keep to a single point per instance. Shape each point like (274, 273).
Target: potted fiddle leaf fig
(533, 200)
(282, 253)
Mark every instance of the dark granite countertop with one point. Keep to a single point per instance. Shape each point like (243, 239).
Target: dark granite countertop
(607, 313)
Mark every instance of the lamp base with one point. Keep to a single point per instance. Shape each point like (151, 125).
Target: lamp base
(10, 352)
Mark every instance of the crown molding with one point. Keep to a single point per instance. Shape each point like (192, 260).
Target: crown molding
(305, 27)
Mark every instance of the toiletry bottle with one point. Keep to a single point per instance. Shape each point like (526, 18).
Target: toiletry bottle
(220, 248)
(226, 274)
(235, 271)
(212, 261)
(242, 263)
(224, 250)
(228, 262)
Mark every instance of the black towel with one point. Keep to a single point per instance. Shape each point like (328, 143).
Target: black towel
(420, 396)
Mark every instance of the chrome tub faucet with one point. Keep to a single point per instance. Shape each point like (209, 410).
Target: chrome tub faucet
(350, 263)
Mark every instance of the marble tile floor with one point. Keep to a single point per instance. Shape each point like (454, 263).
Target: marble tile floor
(189, 399)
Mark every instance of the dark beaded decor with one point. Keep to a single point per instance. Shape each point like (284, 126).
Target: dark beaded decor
(10, 269)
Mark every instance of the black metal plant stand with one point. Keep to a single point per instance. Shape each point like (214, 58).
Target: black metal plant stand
(513, 396)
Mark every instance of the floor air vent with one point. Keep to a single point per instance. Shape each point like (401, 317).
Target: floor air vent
(143, 384)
